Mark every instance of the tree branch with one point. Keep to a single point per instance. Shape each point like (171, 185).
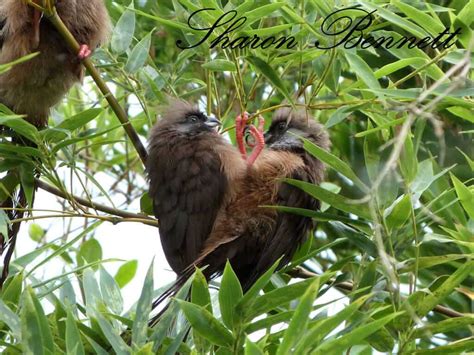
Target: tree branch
(301, 273)
(97, 206)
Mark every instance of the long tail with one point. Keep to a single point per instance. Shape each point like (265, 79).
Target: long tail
(172, 291)
(15, 209)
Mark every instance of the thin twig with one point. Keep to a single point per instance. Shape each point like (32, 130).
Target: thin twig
(97, 206)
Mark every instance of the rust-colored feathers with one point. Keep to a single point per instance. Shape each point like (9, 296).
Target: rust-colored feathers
(228, 219)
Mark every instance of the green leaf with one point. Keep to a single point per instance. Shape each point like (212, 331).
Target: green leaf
(161, 329)
(299, 322)
(123, 32)
(20, 126)
(126, 273)
(4, 223)
(267, 71)
(89, 252)
(269, 321)
(220, 65)
(35, 329)
(355, 336)
(142, 314)
(200, 291)
(465, 195)
(206, 325)
(73, 338)
(399, 213)
(361, 68)
(332, 199)
(408, 162)
(456, 347)
(422, 302)
(27, 179)
(278, 297)
(110, 292)
(146, 204)
(397, 20)
(8, 317)
(36, 232)
(252, 348)
(80, 120)
(249, 297)
(139, 55)
(447, 325)
(334, 162)
(430, 23)
(230, 294)
(321, 329)
(112, 335)
(261, 12)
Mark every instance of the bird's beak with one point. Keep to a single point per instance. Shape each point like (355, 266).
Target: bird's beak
(212, 122)
(37, 15)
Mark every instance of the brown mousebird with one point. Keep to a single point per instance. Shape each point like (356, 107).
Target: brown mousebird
(253, 237)
(191, 169)
(32, 88)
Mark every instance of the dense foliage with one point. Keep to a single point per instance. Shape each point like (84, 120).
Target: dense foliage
(395, 231)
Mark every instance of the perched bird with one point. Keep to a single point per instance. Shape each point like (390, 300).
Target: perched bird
(245, 232)
(32, 88)
(192, 172)
(253, 237)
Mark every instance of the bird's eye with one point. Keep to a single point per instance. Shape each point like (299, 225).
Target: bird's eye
(281, 126)
(193, 118)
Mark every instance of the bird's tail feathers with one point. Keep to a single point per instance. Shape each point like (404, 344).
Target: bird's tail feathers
(169, 293)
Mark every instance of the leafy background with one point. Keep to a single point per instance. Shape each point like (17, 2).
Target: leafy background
(396, 227)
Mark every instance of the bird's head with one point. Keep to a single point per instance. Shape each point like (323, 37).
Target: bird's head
(288, 126)
(186, 119)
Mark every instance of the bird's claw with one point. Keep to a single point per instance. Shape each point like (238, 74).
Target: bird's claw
(84, 52)
(241, 126)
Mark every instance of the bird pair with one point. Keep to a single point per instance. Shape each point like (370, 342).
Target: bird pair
(212, 205)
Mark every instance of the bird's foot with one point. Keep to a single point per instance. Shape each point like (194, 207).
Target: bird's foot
(258, 140)
(84, 52)
(240, 125)
(252, 143)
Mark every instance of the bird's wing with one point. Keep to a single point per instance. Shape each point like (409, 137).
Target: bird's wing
(186, 199)
(290, 229)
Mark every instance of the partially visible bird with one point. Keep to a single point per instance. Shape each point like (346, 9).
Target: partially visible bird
(32, 88)
(248, 234)
(193, 173)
